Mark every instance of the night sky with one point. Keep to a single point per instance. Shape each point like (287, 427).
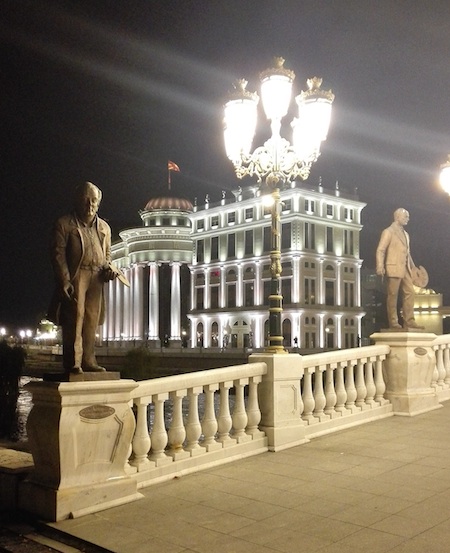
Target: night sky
(109, 91)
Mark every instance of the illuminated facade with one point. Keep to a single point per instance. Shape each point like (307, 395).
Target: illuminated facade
(211, 266)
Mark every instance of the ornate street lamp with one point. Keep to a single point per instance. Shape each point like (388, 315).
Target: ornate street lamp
(277, 161)
(444, 176)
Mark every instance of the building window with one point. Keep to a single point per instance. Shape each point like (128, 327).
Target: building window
(286, 205)
(349, 297)
(349, 214)
(310, 236)
(266, 291)
(248, 242)
(249, 294)
(348, 242)
(310, 206)
(330, 245)
(329, 210)
(286, 290)
(267, 238)
(200, 251)
(199, 298)
(329, 292)
(310, 291)
(231, 217)
(214, 290)
(214, 248)
(231, 294)
(231, 246)
(215, 221)
(286, 236)
(249, 214)
(166, 221)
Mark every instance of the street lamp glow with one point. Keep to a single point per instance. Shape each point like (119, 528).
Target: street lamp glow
(444, 176)
(277, 161)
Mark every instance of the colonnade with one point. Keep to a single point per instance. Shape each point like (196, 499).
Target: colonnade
(133, 313)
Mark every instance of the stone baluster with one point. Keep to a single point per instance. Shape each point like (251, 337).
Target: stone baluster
(253, 410)
(435, 375)
(330, 393)
(350, 386)
(440, 367)
(193, 426)
(239, 416)
(447, 365)
(177, 432)
(225, 421)
(159, 435)
(370, 384)
(361, 390)
(319, 395)
(341, 392)
(380, 385)
(307, 397)
(141, 442)
(209, 420)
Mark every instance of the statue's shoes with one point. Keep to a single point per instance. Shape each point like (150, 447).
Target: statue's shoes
(94, 369)
(396, 325)
(76, 370)
(414, 325)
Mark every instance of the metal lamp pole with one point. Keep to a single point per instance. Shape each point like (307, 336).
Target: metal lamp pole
(277, 161)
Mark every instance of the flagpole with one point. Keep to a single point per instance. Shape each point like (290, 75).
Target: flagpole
(168, 180)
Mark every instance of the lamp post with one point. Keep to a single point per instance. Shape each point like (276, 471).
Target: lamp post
(277, 161)
(444, 176)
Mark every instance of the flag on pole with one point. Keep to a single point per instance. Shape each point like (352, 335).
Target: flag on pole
(171, 166)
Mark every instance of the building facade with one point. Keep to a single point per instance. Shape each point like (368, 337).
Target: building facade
(205, 271)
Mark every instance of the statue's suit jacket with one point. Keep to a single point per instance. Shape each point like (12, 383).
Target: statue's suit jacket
(67, 250)
(393, 252)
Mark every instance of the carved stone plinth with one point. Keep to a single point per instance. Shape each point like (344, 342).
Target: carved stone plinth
(80, 437)
(408, 371)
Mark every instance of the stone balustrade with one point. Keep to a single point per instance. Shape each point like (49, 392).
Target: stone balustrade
(110, 439)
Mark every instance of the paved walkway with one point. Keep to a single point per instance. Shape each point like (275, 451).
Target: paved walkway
(383, 486)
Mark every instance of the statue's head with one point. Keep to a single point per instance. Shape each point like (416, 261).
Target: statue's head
(401, 216)
(87, 201)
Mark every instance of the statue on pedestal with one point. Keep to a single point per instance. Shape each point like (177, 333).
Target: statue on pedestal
(81, 259)
(393, 258)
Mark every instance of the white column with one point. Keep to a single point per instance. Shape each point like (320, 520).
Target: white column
(127, 309)
(153, 301)
(339, 283)
(118, 311)
(320, 284)
(138, 308)
(239, 286)
(175, 302)
(258, 286)
(296, 279)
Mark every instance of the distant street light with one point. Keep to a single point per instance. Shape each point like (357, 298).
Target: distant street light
(277, 161)
(444, 176)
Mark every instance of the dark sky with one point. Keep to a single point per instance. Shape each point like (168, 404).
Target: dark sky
(108, 91)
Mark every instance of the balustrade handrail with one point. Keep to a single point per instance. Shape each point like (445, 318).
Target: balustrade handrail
(201, 378)
(441, 340)
(339, 356)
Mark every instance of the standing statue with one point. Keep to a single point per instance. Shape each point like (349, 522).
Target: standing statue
(394, 260)
(81, 259)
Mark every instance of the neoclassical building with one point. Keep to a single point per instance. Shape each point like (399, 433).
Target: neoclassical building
(204, 271)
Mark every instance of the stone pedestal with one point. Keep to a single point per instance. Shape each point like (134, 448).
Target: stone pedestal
(80, 437)
(280, 400)
(408, 371)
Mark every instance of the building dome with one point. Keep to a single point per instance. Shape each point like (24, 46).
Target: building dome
(167, 202)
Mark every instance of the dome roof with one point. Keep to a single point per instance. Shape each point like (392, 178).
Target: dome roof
(166, 202)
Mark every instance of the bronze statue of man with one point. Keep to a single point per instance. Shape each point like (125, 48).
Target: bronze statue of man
(81, 256)
(394, 261)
